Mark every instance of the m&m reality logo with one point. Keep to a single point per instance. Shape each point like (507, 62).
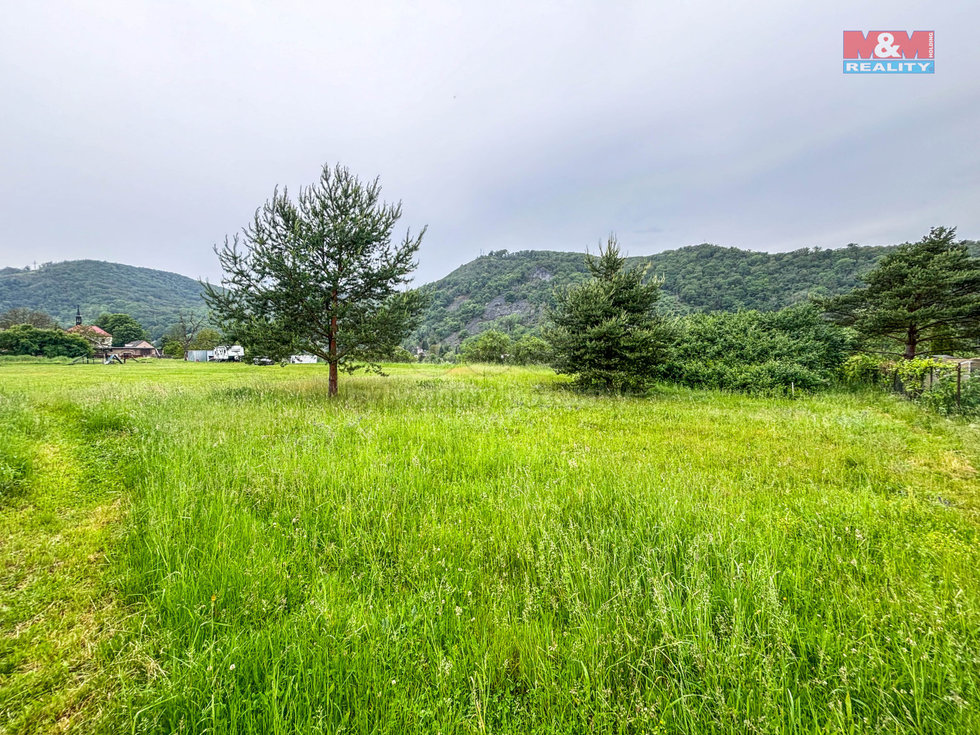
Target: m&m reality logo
(889, 52)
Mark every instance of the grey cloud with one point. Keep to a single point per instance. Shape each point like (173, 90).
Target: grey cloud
(143, 133)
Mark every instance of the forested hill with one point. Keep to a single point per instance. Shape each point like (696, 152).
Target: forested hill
(508, 291)
(152, 297)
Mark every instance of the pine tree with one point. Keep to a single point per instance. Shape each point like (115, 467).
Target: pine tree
(605, 331)
(320, 274)
(920, 298)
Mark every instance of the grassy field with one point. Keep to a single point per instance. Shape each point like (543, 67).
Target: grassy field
(222, 549)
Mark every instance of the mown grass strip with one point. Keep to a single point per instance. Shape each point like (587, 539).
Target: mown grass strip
(59, 518)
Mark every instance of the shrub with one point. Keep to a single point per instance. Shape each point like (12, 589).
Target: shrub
(174, 349)
(490, 346)
(941, 397)
(912, 373)
(400, 354)
(752, 351)
(864, 371)
(24, 339)
(531, 350)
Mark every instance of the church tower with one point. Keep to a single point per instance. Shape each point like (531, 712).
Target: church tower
(78, 316)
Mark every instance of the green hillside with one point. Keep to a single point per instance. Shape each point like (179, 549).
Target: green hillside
(152, 297)
(509, 291)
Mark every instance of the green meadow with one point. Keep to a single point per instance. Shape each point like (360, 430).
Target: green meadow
(221, 549)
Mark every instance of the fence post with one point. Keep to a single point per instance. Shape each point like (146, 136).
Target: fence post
(959, 384)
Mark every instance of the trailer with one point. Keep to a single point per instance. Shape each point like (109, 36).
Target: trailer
(227, 353)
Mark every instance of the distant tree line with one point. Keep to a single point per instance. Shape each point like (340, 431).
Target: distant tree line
(30, 317)
(31, 332)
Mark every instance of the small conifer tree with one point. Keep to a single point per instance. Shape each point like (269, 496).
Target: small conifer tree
(605, 331)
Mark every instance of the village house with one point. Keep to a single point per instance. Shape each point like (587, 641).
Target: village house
(131, 350)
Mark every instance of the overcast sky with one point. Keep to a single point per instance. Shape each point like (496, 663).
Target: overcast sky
(144, 132)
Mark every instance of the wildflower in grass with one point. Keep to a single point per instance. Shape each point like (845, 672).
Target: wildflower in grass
(231, 668)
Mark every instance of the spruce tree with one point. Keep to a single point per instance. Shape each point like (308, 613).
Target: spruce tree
(919, 299)
(605, 332)
(320, 274)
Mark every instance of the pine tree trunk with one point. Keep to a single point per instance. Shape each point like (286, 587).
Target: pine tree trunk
(332, 347)
(332, 390)
(911, 342)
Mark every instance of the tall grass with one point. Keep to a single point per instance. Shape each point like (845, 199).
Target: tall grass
(472, 550)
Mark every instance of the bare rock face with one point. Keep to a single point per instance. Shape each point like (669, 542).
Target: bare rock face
(457, 302)
(541, 274)
(497, 308)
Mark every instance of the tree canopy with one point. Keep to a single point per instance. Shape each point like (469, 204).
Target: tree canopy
(122, 327)
(320, 274)
(921, 298)
(31, 317)
(206, 339)
(605, 331)
(489, 346)
(183, 332)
